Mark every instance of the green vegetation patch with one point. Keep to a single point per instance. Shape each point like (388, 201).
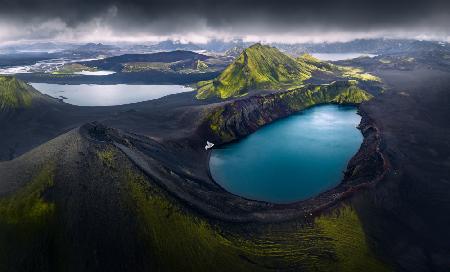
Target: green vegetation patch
(26, 218)
(14, 93)
(107, 157)
(179, 241)
(357, 73)
(257, 67)
(145, 66)
(72, 68)
(344, 230)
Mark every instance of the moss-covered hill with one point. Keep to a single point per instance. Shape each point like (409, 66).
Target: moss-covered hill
(79, 204)
(257, 67)
(261, 67)
(15, 93)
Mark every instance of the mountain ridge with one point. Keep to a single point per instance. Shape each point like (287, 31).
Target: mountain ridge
(262, 67)
(257, 67)
(15, 93)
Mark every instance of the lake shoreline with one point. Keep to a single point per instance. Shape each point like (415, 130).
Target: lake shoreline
(212, 201)
(316, 205)
(91, 95)
(318, 141)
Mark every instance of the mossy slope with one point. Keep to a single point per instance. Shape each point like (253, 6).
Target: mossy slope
(261, 67)
(15, 93)
(257, 67)
(179, 240)
(26, 225)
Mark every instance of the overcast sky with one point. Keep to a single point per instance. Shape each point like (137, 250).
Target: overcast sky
(200, 20)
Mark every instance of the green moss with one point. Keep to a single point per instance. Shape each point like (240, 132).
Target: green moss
(352, 95)
(215, 119)
(257, 67)
(25, 224)
(27, 205)
(107, 157)
(357, 73)
(179, 241)
(14, 93)
(347, 237)
(311, 64)
(334, 242)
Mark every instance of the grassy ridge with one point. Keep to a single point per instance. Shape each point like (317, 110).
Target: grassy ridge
(262, 67)
(15, 93)
(257, 67)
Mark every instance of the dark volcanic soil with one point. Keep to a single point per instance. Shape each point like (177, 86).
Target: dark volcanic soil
(403, 165)
(406, 214)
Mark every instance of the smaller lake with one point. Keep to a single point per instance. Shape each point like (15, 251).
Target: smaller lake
(292, 159)
(107, 95)
(95, 73)
(340, 56)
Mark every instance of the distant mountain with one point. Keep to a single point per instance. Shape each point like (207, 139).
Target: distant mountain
(117, 63)
(221, 46)
(174, 45)
(257, 67)
(374, 46)
(214, 45)
(96, 47)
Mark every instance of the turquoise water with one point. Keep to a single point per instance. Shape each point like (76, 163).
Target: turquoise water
(291, 159)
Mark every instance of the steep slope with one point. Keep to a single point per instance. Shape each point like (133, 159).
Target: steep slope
(15, 94)
(257, 67)
(241, 117)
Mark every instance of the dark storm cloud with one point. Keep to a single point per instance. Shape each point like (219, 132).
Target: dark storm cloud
(166, 17)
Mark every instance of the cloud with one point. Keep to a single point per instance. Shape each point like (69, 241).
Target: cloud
(197, 20)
